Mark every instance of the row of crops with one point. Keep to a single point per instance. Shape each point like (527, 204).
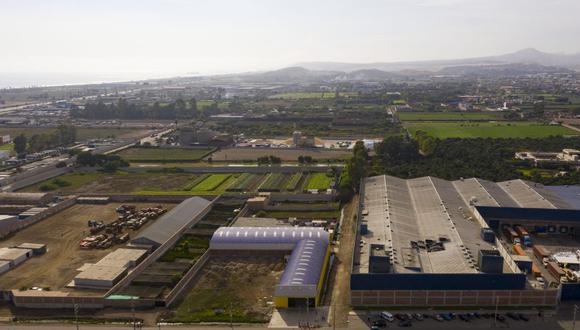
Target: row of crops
(268, 182)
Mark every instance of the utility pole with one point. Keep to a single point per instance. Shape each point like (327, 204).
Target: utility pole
(133, 311)
(574, 318)
(495, 315)
(334, 316)
(76, 307)
(231, 317)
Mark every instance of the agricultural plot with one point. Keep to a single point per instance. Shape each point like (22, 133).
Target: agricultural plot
(448, 116)
(245, 182)
(287, 155)
(144, 155)
(294, 182)
(211, 182)
(445, 130)
(318, 181)
(274, 182)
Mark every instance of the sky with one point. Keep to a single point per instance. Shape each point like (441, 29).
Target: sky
(180, 37)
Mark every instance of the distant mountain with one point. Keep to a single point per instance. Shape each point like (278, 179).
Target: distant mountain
(501, 70)
(296, 74)
(525, 56)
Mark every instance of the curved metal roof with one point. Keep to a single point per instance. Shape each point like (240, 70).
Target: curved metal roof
(308, 246)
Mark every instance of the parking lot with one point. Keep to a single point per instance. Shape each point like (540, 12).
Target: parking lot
(460, 320)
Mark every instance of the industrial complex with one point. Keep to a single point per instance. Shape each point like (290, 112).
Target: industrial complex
(430, 242)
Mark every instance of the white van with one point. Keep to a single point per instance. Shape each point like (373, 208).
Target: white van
(387, 316)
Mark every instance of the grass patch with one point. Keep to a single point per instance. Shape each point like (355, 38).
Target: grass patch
(67, 182)
(293, 182)
(188, 247)
(82, 133)
(318, 181)
(445, 130)
(164, 154)
(7, 147)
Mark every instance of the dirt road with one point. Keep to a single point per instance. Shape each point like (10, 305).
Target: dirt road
(340, 278)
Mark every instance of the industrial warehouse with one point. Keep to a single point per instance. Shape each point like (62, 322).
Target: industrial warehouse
(432, 242)
(302, 280)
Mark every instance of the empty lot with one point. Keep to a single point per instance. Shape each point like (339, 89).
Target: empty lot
(61, 233)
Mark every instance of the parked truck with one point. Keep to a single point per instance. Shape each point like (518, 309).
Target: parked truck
(511, 235)
(524, 235)
(541, 252)
(556, 271)
(518, 250)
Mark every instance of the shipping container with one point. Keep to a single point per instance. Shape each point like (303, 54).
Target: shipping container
(511, 235)
(541, 252)
(518, 250)
(536, 270)
(524, 235)
(555, 270)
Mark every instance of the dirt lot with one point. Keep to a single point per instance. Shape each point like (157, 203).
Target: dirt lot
(62, 233)
(251, 154)
(340, 277)
(244, 286)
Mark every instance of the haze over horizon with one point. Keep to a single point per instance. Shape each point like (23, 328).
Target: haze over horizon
(154, 38)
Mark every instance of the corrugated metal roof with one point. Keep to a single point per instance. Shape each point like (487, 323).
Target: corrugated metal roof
(308, 247)
(172, 222)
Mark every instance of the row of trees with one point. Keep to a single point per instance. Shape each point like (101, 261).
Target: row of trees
(109, 163)
(64, 135)
(357, 167)
(179, 109)
(452, 159)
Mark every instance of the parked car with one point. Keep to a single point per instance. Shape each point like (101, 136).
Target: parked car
(523, 317)
(418, 317)
(380, 323)
(464, 317)
(439, 318)
(405, 324)
(386, 316)
(500, 317)
(513, 316)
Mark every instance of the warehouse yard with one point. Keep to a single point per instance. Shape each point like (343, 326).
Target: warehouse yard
(240, 285)
(61, 233)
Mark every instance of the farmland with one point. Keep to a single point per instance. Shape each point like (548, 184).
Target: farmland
(82, 133)
(318, 181)
(287, 155)
(163, 154)
(181, 183)
(310, 95)
(444, 130)
(448, 116)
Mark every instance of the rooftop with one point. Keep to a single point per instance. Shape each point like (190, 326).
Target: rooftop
(426, 224)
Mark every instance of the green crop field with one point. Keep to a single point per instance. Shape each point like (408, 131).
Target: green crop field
(7, 147)
(444, 130)
(318, 181)
(163, 154)
(212, 182)
(463, 116)
(310, 95)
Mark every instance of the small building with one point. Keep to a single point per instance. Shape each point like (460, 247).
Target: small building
(171, 225)
(15, 256)
(13, 198)
(37, 249)
(4, 266)
(96, 276)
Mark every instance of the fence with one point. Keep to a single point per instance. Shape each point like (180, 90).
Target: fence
(186, 282)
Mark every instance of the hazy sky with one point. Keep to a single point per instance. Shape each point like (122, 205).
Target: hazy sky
(181, 36)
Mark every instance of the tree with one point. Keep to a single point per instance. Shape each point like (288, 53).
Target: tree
(20, 143)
